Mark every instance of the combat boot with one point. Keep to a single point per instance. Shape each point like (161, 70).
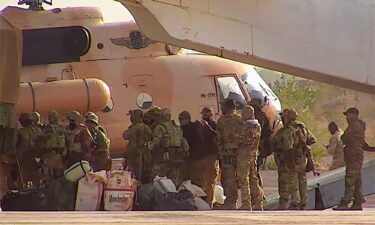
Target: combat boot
(342, 206)
(246, 206)
(356, 206)
(302, 207)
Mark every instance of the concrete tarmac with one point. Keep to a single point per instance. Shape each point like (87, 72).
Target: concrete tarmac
(190, 218)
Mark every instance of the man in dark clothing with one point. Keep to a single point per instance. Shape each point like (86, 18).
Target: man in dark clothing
(203, 153)
(207, 117)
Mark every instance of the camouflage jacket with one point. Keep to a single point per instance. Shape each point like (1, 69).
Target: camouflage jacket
(303, 135)
(250, 136)
(79, 139)
(26, 139)
(229, 129)
(101, 140)
(138, 135)
(354, 135)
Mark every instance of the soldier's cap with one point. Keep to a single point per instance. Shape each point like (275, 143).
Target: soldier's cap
(351, 110)
(283, 112)
(206, 110)
(93, 118)
(184, 115)
(248, 109)
(73, 115)
(135, 112)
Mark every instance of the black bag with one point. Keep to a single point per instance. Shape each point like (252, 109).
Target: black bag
(180, 201)
(34, 199)
(145, 198)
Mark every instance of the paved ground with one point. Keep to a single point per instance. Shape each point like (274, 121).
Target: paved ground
(212, 217)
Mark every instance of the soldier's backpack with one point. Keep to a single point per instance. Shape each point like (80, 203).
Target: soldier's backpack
(173, 141)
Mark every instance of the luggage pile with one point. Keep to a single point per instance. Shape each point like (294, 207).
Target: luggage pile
(83, 190)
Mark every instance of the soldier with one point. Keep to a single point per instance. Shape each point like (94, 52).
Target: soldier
(152, 117)
(138, 156)
(264, 144)
(282, 142)
(169, 148)
(26, 149)
(53, 147)
(79, 141)
(353, 140)
(101, 128)
(36, 118)
(298, 158)
(335, 147)
(228, 138)
(203, 153)
(246, 161)
(100, 153)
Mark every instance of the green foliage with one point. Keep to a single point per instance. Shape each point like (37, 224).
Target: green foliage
(317, 153)
(297, 95)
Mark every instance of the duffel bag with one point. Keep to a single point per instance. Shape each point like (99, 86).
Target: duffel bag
(76, 171)
(172, 201)
(145, 198)
(34, 199)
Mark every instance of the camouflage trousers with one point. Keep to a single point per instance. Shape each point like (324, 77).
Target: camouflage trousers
(353, 179)
(228, 181)
(203, 173)
(251, 192)
(283, 179)
(298, 183)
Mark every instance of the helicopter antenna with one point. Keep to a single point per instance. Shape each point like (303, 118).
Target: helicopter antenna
(36, 5)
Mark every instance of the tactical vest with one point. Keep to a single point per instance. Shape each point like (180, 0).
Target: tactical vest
(73, 140)
(101, 140)
(172, 142)
(57, 139)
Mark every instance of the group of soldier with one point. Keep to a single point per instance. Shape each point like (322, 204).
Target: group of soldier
(229, 151)
(44, 151)
(197, 150)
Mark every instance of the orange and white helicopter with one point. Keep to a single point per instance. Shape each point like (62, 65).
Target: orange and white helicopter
(72, 60)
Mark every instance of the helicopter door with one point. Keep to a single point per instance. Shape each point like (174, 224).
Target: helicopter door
(229, 87)
(141, 91)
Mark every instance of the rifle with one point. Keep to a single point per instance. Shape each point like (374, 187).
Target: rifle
(310, 163)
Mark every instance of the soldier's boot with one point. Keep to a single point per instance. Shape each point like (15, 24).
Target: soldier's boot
(258, 207)
(302, 207)
(246, 206)
(282, 206)
(342, 206)
(357, 204)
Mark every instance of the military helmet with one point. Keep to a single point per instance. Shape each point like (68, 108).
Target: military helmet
(206, 110)
(92, 117)
(36, 117)
(290, 114)
(165, 114)
(155, 111)
(73, 115)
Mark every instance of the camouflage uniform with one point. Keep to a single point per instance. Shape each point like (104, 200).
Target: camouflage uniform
(100, 159)
(36, 119)
(152, 117)
(229, 127)
(79, 141)
(353, 140)
(169, 149)
(138, 156)
(27, 151)
(282, 142)
(53, 148)
(297, 168)
(246, 163)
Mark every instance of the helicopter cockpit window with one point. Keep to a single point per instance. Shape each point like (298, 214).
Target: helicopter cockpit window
(54, 45)
(229, 88)
(144, 101)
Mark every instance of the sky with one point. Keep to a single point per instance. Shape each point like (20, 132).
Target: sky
(112, 11)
